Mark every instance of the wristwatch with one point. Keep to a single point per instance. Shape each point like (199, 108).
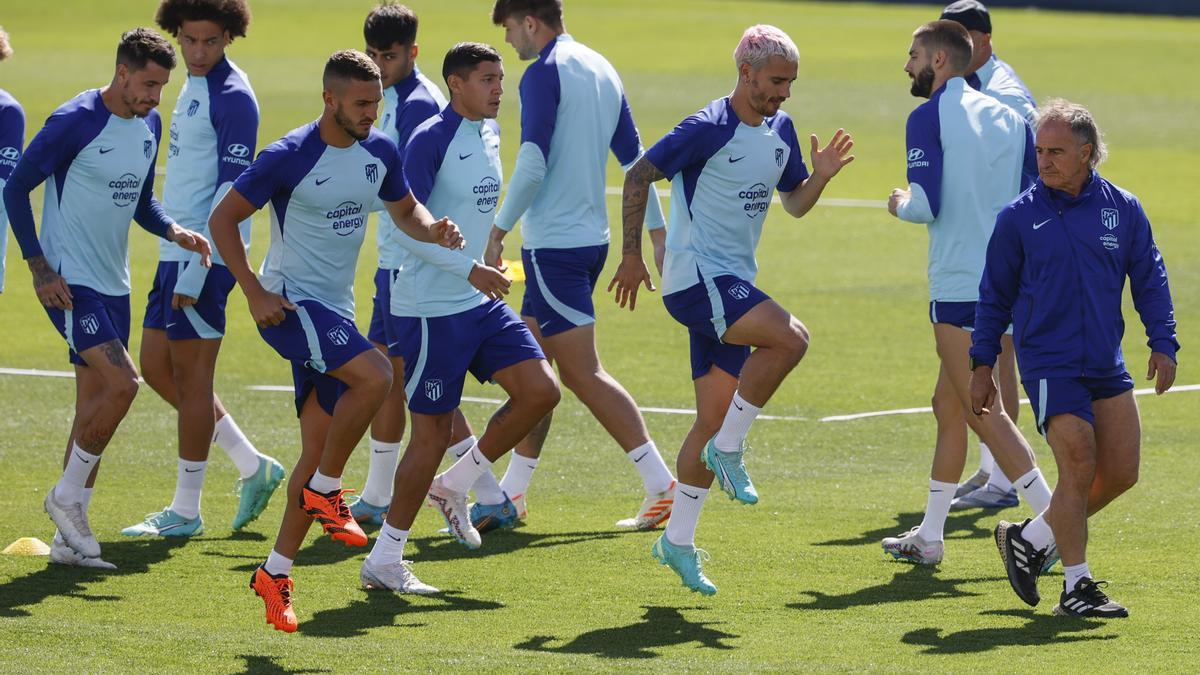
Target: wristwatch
(975, 363)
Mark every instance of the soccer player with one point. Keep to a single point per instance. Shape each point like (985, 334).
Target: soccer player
(96, 154)
(968, 156)
(320, 181)
(988, 487)
(573, 112)
(462, 325)
(409, 98)
(725, 163)
(1056, 269)
(12, 139)
(213, 132)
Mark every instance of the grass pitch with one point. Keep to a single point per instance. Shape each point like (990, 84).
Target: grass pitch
(803, 584)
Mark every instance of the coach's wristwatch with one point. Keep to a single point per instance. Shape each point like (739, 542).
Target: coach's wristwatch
(975, 363)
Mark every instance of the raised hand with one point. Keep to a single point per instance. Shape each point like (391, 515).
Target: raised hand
(828, 161)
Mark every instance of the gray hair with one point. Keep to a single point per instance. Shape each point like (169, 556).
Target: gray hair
(760, 42)
(1081, 122)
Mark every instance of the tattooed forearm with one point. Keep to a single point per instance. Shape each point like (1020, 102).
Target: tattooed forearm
(633, 203)
(42, 272)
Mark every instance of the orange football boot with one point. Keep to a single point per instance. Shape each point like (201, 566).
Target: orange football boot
(333, 515)
(276, 592)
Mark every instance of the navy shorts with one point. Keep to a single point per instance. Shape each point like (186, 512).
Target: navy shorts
(438, 352)
(559, 284)
(94, 318)
(1072, 395)
(316, 340)
(708, 309)
(204, 320)
(960, 314)
(380, 331)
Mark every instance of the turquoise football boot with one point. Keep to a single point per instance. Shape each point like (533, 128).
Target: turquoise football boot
(731, 472)
(166, 523)
(254, 492)
(684, 561)
(488, 517)
(366, 513)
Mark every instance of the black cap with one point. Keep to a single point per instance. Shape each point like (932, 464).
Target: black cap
(970, 13)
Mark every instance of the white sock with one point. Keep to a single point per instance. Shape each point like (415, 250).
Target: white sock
(685, 514)
(737, 423)
(69, 488)
(1033, 489)
(1073, 573)
(229, 436)
(987, 463)
(998, 480)
(461, 476)
(517, 475)
(188, 483)
(86, 501)
(936, 509)
(1038, 532)
(462, 447)
(389, 545)
(656, 477)
(324, 484)
(381, 474)
(277, 564)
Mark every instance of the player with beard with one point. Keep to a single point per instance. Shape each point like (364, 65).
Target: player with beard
(320, 181)
(968, 156)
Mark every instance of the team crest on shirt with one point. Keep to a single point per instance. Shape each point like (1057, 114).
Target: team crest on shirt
(90, 324)
(1110, 218)
(433, 389)
(739, 291)
(193, 106)
(779, 156)
(148, 148)
(338, 335)
(372, 172)
(386, 118)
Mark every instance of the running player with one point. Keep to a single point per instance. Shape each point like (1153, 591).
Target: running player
(462, 325)
(1056, 268)
(96, 154)
(320, 181)
(725, 162)
(213, 131)
(968, 156)
(573, 112)
(12, 139)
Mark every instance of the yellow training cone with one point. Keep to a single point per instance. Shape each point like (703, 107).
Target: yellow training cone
(27, 546)
(516, 270)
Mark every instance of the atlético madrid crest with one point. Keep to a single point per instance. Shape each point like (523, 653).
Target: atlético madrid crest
(433, 389)
(372, 172)
(779, 156)
(1110, 218)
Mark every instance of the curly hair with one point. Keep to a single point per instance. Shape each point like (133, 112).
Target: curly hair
(232, 15)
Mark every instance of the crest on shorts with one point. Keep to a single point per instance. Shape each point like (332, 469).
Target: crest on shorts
(739, 291)
(148, 148)
(338, 335)
(193, 107)
(372, 172)
(90, 324)
(1110, 218)
(433, 389)
(779, 156)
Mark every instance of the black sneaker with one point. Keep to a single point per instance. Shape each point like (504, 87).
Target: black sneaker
(1088, 600)
(1022, 561)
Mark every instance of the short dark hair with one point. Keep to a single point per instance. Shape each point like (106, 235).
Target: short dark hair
(549, 12)
(231, 15)
(349, 64)
(465, 56)
(390, 23)
(141, 46)
(949, 36)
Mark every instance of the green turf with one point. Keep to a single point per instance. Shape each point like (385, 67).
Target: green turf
(803, 584)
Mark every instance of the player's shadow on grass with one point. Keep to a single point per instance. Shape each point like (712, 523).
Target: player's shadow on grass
(382, 608)
(909, 584)
(130, 557)
(1040, 629)
(443, 547)
(266, 665)
(659, 627)
(959, 525)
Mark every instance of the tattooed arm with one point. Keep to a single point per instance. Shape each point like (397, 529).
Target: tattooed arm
(632, 271)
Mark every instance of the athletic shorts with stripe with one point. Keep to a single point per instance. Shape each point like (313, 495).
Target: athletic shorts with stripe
(438, 352)
(204, 320)
(959, 314)
(94, 318)
(708, 309)
(379, 331)
(316, 340)
(1072, 395)
(559, 284)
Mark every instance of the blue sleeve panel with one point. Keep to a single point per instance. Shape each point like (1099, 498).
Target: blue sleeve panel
(393, 187)
(423, 156)
(235, 119)
(149, 213)
(795, 172)
(626, 145)
(12, 136)
(1029, 170)
(1148, 285)
(924, 142)
(20, 184)
(540, 93)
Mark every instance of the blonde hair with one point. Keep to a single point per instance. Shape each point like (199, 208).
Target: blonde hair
(760, 42)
